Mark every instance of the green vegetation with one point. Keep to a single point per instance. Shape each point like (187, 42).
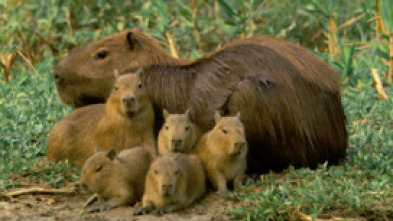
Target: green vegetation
(33, 34)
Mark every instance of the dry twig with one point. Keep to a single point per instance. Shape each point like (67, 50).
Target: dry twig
(378, 84)
(390, 73)
(171, 45)
(90, 201)
(39, 190)
(29, 63)
(332, 38)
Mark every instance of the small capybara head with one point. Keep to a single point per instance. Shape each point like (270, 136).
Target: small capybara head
(178, 132)
(129, 93)
(229, 134)
(167, 175)
(97, 169)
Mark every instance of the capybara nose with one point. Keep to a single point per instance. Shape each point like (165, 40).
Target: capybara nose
(239, 147)
(57, 77)
(176, 144)
(129, 99)
(166, 188)
(81, 186)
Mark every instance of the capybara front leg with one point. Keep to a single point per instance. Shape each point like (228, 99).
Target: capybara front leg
(238, 182)
(219, 181)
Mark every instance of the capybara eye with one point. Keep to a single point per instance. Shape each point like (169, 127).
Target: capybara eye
(99, 168)
(166, 128)
(187, 128)
(116, 88)
(101, 55)
(140, 85)
(155, 171)
(224, 131)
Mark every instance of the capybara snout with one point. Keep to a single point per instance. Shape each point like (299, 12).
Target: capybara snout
(129, 99)
(176, 144)
(166, 189)
(239, 147)
(130, 104)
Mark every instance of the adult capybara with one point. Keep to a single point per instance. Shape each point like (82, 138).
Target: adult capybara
(178, 134)
(174, 181)
(118, 180)
(85, 75)
(223, 152)
(289, 99)
(126, 120)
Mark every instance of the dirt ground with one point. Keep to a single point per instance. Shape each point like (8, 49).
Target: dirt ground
(69, 207)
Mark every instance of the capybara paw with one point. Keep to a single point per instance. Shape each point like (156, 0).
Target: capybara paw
(161, 211)
(93, 210)
(238, 186)
(222, 193)
(141, 211)
(99, 208)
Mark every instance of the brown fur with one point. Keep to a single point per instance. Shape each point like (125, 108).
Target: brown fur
(117, 124)
(117, 180)
(223, 152)
(83, 77)
(178, 134)
(174, 181)
(289, 100)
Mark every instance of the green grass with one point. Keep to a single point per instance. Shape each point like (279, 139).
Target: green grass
(29, 109)
(360, 186)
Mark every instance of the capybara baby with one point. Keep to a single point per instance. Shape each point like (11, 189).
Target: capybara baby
(118, 180)
(174, 181)
(125, 121)
(223, 152)
(178, 134)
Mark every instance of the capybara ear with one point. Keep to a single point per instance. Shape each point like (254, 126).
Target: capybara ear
(116, 73)
(140, 72)
(238, 115)
(165, 113)
(132, 41)
(96, 149)
(111, 154)
(217, 116)
(187, 113)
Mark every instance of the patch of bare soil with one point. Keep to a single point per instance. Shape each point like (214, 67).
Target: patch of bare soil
(44, 203)
(69, 207)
